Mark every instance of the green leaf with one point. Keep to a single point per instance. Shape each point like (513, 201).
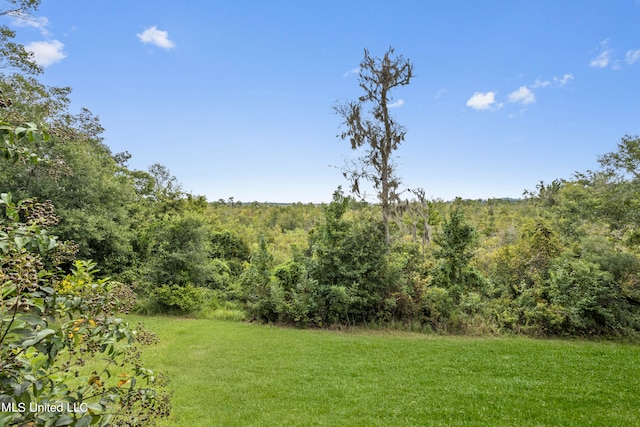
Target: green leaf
(19, 241)
(39, 337)
(5, 418)
(64, 420)
(26, 396)
(5, 198)
(55, 348)
(25, 332)
(12, 213)
(104, 422)
(18, 389)
(84, 421)
(33, 320)
(96, 407)
(7, 289)
(38, 303)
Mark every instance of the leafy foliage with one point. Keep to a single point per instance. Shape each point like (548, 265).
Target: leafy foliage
(50, 326)
(346, 275)
(256, 284)
(180, 252)
(456, 251)
(179, 299)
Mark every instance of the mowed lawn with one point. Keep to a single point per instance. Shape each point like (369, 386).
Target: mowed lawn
(238, 374)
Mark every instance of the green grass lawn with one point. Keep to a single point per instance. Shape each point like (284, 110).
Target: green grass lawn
(239, 374)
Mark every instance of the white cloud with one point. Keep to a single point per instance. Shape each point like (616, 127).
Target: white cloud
(352, 71)
(47, 52)
(602, 60)
(156, 37)
(540, 83)
(564, 79)
(522, 96)
(605, 57)
(440, 93)
(520, 113)
(398, 103)
(556, 81)
(633, 56)
(483, 101)
(40, 23)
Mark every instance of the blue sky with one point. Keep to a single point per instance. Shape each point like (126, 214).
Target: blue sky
(235, 97)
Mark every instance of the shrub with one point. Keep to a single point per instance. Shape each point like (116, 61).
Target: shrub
(256, 284)
(437, 306)
(231, 248)
(221, 274)
(590, 298)
(453, 271)
(50, 326)
(181, 252)
(180, 299)
(349, 261)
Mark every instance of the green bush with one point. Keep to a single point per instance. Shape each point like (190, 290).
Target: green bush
(181, 252)
(453, 270)
(289, 274)
(437, 306)
(230, 247)
(590, 298)
(349, 261)
(180, 299)
(256, 285)
(221, 274)
(292, 293)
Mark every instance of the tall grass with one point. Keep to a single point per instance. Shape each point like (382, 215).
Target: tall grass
(239, 374)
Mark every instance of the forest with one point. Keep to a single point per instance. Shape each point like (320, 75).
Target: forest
(84, 237)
